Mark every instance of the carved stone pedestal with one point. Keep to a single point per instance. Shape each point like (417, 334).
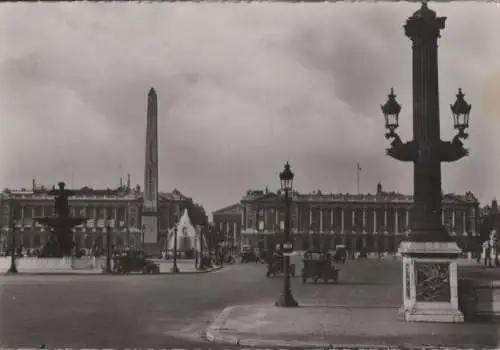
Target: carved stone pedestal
(430, 282)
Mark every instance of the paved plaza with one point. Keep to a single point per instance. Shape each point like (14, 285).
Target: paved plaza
(181, 310)
(361, 310)
(117, 311)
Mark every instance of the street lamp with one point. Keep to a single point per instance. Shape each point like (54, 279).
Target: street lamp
(202, 260)
(286, 299)
(427, 151)
(13, 268)
(461, 110)
(175, 268)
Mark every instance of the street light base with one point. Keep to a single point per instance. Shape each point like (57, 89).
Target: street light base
(174, 269)
(286, 300)
(12, 270)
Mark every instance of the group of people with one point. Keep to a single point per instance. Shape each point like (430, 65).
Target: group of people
(489, 249)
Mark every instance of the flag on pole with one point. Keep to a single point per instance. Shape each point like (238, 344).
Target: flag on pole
(359, 168)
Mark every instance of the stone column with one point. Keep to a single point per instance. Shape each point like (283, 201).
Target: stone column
(22, 216)
(342, 220)
(235, 239)
(266, 223)
(364, 220)
(385, 221)
(115, 216)
(342, 233)
(396, 222)
(464, 222)
(453, 223)
(353, 215)
(375, 229)
(321, 220)
(473, 221)
(331, 218)
(310, 218)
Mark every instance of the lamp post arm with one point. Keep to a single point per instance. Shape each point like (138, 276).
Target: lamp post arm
(402, 151)
(452, 151)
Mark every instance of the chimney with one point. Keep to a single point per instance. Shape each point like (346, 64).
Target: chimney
(34, 184)
(121, 182)
(128, 181)
(379, 189)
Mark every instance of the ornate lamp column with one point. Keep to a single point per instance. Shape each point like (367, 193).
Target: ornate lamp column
(286, 299)
(429, 266)
(175, 268)
(13, 206)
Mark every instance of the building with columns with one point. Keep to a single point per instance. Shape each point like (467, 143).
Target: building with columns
(375, 222)
(119, 208)
(229, 222)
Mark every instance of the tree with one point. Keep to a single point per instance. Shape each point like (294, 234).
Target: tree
(197, 214)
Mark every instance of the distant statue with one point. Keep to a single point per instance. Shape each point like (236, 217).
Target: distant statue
(61, 206)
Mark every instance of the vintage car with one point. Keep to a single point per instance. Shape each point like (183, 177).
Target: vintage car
(275, 266)
(133, 262)
(340, 255)
(248, 255)
(319, 267)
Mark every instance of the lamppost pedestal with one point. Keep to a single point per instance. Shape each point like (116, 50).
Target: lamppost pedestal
(430, 282)
(286, 299)
(12, 270)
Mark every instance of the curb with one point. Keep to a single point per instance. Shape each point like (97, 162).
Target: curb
(213, 334)
(197, 272)
(218, 268)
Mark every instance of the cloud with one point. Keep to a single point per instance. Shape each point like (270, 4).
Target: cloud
(241, 89)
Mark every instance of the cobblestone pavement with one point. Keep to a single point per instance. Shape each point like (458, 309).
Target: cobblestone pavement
(174, 311)
(361, 309)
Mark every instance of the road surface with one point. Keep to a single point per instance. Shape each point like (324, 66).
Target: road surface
(163, 311)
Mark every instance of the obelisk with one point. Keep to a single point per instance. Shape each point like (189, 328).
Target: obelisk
(150, 205)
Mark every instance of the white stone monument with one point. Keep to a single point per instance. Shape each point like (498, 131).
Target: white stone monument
(430, 288)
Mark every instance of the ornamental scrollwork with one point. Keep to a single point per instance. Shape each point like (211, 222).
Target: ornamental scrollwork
(407, 280)
(432, 282)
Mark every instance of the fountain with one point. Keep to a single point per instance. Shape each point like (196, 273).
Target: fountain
(60, 242)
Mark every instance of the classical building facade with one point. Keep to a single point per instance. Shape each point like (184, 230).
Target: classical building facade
(376, 222)
(119, 208)
(229, 222)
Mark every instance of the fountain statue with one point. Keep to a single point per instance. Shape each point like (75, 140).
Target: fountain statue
(60, 242)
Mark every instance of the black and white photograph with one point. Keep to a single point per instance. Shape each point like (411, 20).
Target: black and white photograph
(258, 175)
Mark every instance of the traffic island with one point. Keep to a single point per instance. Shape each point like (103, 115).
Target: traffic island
(342, 327)
(100, 272)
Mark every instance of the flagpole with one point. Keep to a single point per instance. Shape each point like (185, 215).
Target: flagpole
(358, 169)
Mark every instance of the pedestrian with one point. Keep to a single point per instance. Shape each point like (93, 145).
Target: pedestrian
(487, 254)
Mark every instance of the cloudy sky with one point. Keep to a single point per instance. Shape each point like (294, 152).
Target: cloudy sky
(242, 88)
